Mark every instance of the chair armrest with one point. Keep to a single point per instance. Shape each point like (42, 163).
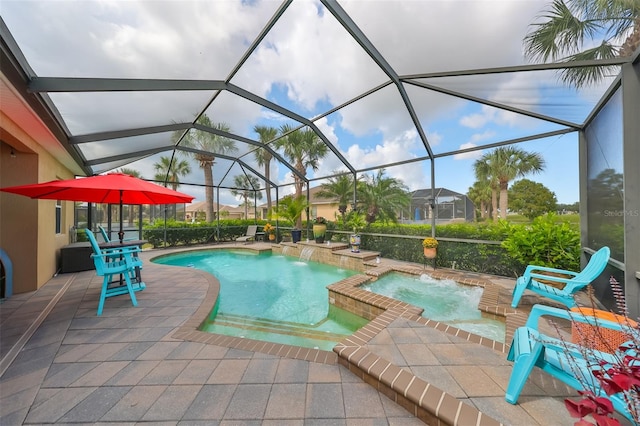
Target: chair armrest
(538, 311)
(122, 250)
(550, 278)
(531, 268)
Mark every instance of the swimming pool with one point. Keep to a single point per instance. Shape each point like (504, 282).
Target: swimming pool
(272, 297)
(442, 300)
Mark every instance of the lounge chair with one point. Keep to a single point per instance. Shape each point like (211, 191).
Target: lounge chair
(121, 262)
(250, 236)
(574, 283)
(567, 362)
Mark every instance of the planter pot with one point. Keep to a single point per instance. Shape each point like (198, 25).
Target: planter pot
(296, 235)
(430, 252)
(319, 232)
(354, 240)
(272, 237)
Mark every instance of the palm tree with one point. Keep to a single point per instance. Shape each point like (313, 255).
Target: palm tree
(170, 171)
(304, 149)
(247, 186)
(570, 27)
(487, 182)
(209, 144)
(263, 156)
(383, 197)
(339, 188)
(480, 193)
(504, 164)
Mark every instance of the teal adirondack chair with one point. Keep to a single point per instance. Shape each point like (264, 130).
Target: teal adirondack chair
(578, 280)
(565, 361)
(118, 267)
(106, 238)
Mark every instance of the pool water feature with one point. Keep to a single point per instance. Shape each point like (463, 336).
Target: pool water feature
(445, 301)
(270, 297)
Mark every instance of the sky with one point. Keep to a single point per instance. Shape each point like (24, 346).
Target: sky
(309, 64)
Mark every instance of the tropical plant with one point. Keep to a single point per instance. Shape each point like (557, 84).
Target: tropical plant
(356, 221)
(170, 170)
(246, 186)
(207, 144)
(339, 188)
(504, 164)
(382, 197)
(546, 242)
(291, 207)
(263, 156)
(320, 220)
(430, 242)
(480, 194)
(304, 149)
(579, 30)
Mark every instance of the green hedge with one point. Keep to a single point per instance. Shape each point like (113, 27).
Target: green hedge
(400, 242)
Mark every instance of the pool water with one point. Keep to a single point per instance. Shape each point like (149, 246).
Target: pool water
(273, 297)
(442, 300)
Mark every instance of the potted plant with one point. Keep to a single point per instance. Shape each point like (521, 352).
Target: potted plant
(357, 222)
(319, 229)
(270, 231)
(430, 247)
(291, 209)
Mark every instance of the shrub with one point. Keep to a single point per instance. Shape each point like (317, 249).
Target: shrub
(545, 242)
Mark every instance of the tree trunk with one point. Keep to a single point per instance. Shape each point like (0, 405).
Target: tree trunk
(298, 185)
(632, 42)
(267, 175)
(504, 199)
(208, 190)
(494, 204)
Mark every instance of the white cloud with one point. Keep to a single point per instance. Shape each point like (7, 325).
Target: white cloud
(472, 155)
(308, 56)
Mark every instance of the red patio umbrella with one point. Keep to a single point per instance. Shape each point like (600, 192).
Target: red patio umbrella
(112, 188)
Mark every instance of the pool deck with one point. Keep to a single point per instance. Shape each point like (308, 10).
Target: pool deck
(61, 364)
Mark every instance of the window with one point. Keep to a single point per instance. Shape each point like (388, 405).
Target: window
(58, 217)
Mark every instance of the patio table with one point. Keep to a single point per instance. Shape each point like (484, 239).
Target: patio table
(119, 244)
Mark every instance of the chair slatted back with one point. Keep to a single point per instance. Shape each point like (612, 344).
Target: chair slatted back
(104, 234)
(98, 259)
(594, 268)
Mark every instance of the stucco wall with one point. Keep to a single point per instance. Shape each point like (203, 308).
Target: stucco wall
(27, 227)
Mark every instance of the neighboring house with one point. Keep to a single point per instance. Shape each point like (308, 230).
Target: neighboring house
(196, 211)
(327, 208)
(449, 206)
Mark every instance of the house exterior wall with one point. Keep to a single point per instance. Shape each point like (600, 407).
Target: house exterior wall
(327, 210)
(27, 227)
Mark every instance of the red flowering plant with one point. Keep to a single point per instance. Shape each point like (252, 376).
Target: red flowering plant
(619, 375)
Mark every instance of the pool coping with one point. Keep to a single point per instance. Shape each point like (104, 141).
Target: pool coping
(427, 402)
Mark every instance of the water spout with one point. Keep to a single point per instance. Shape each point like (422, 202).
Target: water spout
(344, 262)
(306, 253)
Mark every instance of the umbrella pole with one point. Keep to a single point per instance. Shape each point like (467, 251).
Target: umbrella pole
(121, 233)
